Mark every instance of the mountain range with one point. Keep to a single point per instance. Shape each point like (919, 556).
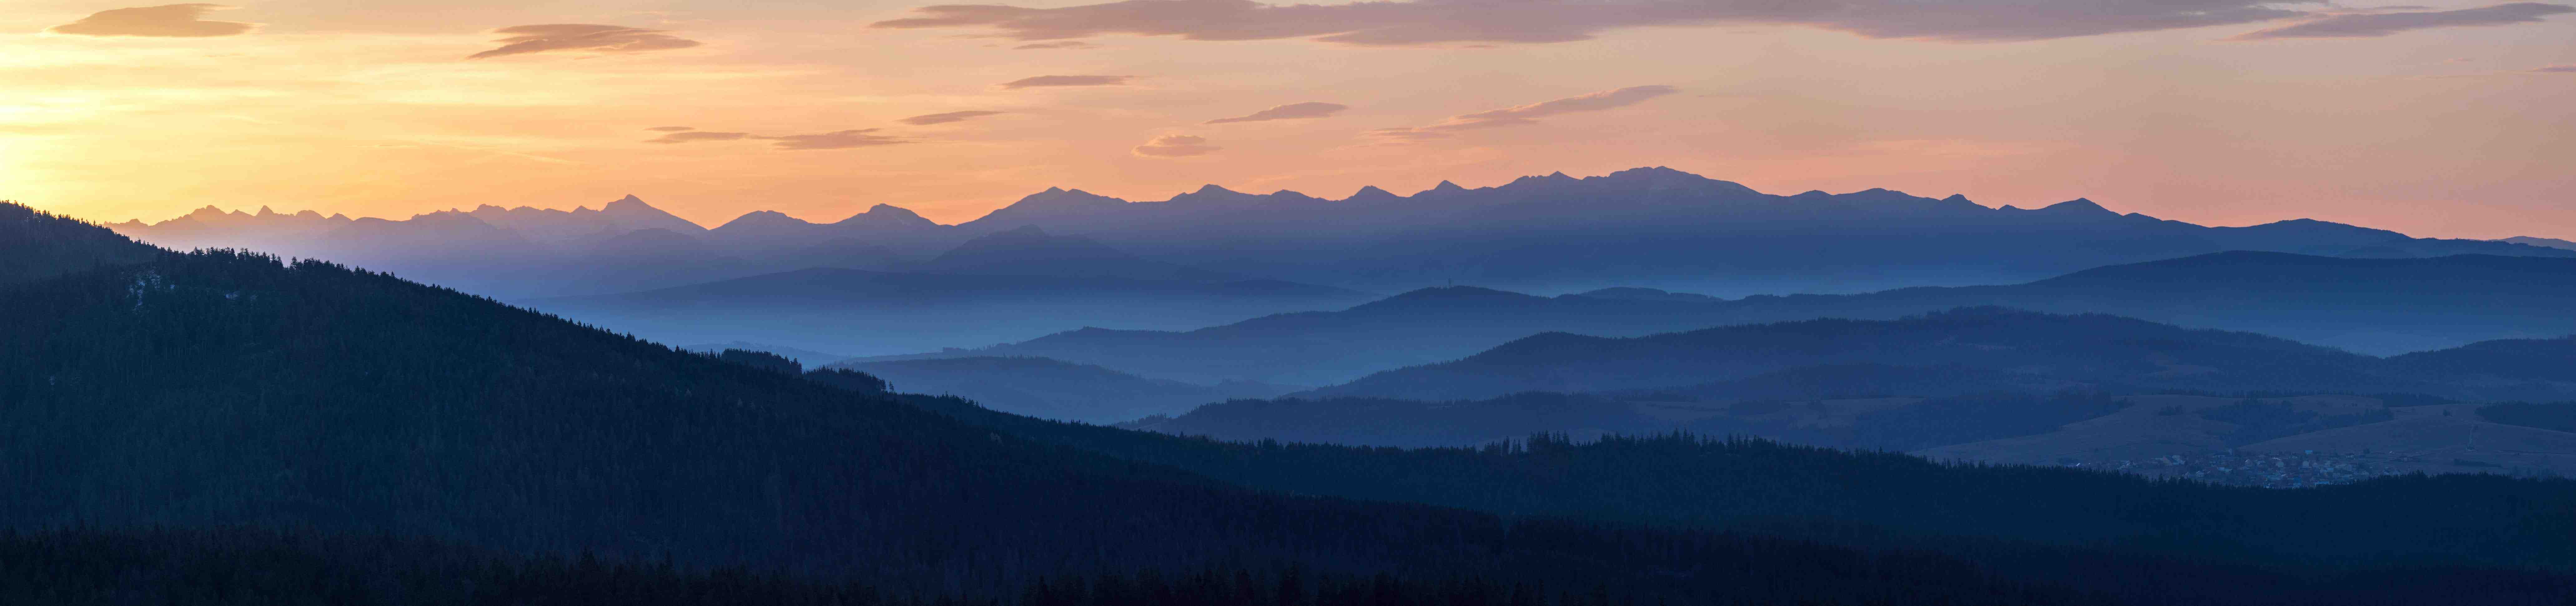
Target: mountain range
(1645, 227)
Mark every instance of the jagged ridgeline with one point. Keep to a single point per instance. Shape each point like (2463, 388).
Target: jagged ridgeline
(221, 389)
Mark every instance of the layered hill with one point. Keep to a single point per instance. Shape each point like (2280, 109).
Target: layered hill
(2088, 349)
(2373, 306)
(217, 389)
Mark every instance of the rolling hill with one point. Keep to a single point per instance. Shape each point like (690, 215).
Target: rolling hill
(2373, 306)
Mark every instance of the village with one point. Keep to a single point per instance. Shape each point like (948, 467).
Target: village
(2304, 469)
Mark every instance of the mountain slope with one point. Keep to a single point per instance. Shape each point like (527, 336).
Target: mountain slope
(37, 244)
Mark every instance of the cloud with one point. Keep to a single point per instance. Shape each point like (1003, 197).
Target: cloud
(1175, 146)
(1470, 22)
(1068, 44)
(1040, 81)
(693, 136)
(525, 39)
(169, 21)
(929, 119)
(1290, 111)
(2377, 23)
(844, 139)
(1528, 114)
(671, 129)
(2555, 69)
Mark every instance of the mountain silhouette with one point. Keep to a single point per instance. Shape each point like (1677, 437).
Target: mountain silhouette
(2545, 242)
(1646, 227)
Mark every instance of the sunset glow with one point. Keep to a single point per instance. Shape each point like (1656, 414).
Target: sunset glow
(2440, 122)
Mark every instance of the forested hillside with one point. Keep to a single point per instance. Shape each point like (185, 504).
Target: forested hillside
(35, 244)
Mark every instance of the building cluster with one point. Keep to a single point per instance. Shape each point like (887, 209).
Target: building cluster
(2303, 469)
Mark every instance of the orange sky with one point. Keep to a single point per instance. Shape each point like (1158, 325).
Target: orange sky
(2450, 124)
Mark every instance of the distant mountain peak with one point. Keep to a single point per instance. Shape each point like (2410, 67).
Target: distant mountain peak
(2075, 206)
(1370, 193)
(1212, 188)
(888, 214)
(1446, 186)
(1450, 296)
(762, 219)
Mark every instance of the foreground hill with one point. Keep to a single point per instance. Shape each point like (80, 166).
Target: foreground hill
(2375, 306)
(873, 312)
(36, 244)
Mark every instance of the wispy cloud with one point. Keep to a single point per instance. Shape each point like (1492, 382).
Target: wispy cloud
(694, 136)
(2555, 69)
(527, 39)
(166, 21)
(1528, 114)
(1067, 44)
(1292, 111)
(671, 129)
(1045, 81)
(944, 118)
(1176, 146)
(844, 139)
(1473, 22)
(2382, 22)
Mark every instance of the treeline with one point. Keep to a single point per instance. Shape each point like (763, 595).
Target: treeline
(1880, 498)
(251, 567)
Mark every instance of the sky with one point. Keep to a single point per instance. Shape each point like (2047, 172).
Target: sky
(2445, 120)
